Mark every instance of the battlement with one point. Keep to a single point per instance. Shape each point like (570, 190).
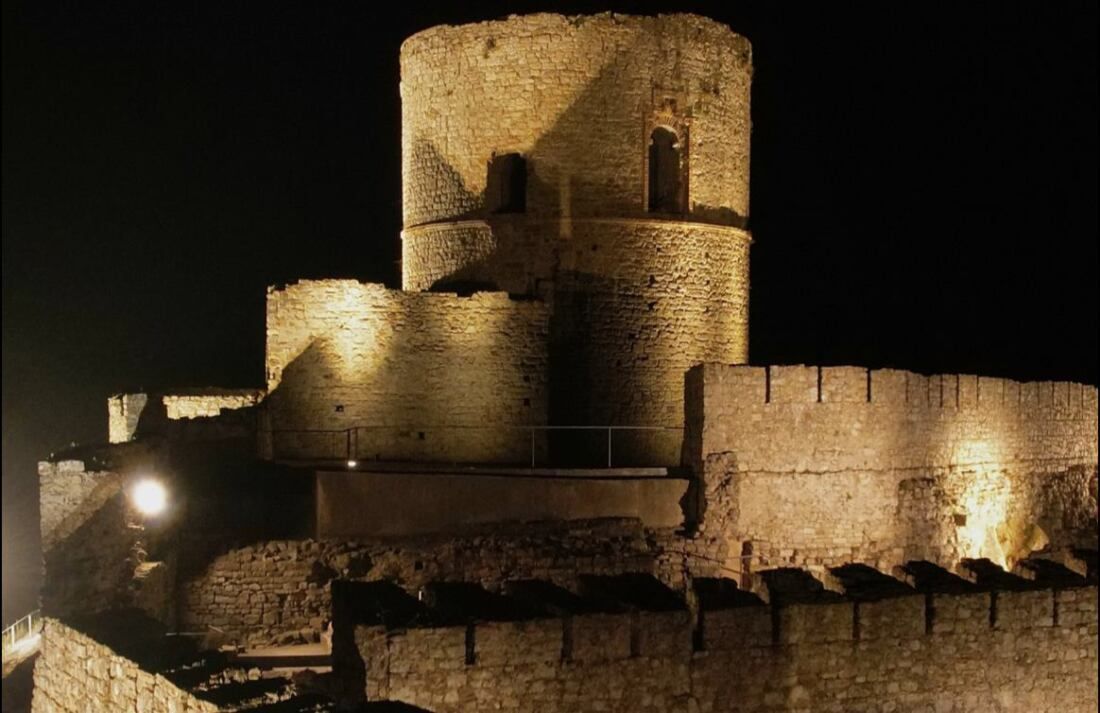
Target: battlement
(932, 619)
(810, 418)
(801, 384)
(806, 464)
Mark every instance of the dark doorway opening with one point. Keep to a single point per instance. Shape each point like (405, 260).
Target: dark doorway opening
(665, 194)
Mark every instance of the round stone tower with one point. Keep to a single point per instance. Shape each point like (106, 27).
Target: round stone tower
(600, 163)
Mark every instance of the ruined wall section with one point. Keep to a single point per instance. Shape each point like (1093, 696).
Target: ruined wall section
(76, 674)
(808, 465)
(131, 415)
(280, 591)
(416, 376)
(1031, 651)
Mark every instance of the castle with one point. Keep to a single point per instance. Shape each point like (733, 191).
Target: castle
(543, 475)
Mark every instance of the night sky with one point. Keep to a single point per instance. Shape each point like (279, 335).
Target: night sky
(924, 192)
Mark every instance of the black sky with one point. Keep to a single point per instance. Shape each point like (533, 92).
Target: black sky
(924, 191)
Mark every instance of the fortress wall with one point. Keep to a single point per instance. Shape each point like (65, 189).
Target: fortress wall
(206, 405)
(421, 376)
(76, 674)
(69, 495)
(281, 590)
(839, 464)
(90, 562)
(815, 658)
(576, 96)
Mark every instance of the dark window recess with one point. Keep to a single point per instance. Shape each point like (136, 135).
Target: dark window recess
(506, 186)
(665, 195)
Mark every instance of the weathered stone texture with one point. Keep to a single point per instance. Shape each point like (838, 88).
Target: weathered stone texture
(281, 591)
(75, 674)
(840, 464)
(126, 413)
(419, 376)
(123, 413)
(815, 660)
(205, 405)
(637, 297)
(575, 96)
(69, 495)
(92, 567)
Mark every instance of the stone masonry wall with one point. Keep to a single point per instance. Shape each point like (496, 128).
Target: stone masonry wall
(127, 412)
(578, 97)
(420, 376)
(637, 297)
(69, 495)
(92, 567)
(1031, 651)
(281, 591)
(808, 466)
(206, 405)
(75, 674)
(123, 413)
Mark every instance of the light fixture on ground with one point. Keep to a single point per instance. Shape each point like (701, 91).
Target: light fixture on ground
(149, 496)
(352, 463)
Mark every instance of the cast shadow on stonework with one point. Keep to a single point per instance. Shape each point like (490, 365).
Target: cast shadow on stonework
(556, 189)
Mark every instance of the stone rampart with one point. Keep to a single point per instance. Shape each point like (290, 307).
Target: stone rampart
(826, 465)
(280, 591)
(76, 674)
(958, 652)
(416, 376)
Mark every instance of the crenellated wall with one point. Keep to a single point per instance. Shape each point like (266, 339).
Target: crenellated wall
(419, 376)
(1030, 651)
(826, 465)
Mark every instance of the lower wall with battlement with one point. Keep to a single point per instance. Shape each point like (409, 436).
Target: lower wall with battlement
(76, 674)
(1010, 651)
(809, 465)
(417, 376)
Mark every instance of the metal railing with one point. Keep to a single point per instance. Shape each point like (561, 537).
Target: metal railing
(535, 446)
(17, 636)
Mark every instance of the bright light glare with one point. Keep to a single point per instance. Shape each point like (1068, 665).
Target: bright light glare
(150, 497)
(352, 463)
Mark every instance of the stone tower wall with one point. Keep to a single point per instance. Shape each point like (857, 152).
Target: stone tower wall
(578, 97)
(637, 297)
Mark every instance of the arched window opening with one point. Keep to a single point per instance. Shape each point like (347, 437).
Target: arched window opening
(665, 194)
(506, 186)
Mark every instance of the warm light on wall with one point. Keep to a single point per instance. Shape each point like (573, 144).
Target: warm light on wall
(985, 505)
(149, 497)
